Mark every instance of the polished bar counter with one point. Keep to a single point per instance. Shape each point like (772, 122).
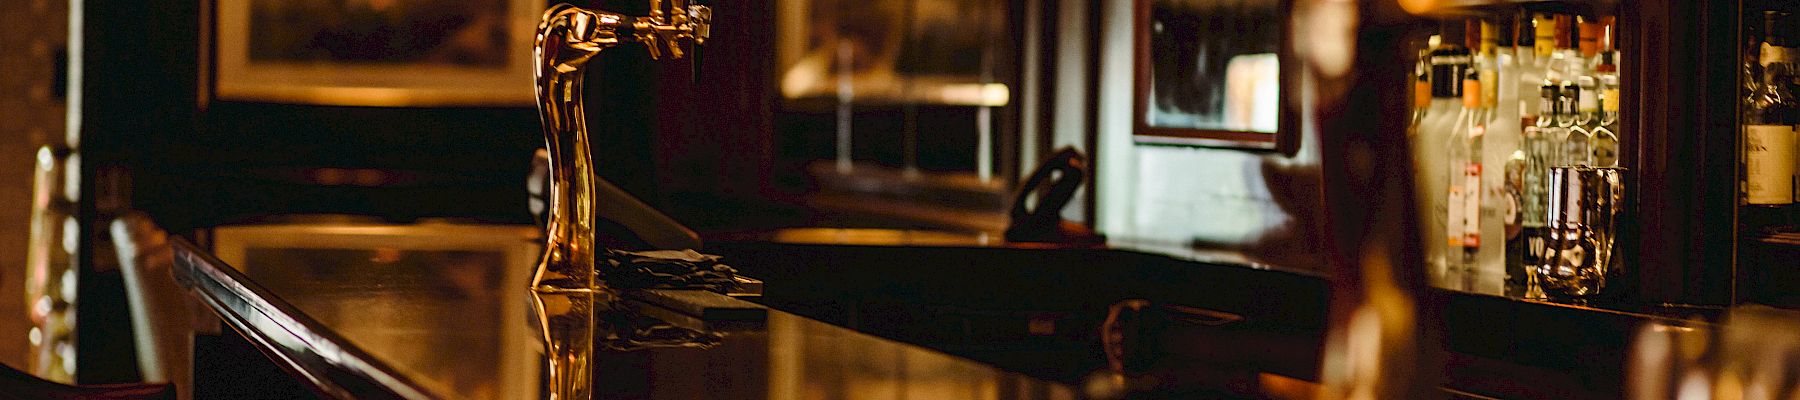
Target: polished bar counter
(356, 324)
(870, 314)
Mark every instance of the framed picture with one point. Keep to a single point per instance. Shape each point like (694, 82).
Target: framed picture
(325, 269)
(376, 52)
(894, 51)
(1209, 73)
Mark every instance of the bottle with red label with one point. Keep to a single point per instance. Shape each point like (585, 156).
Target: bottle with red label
(1463, 222)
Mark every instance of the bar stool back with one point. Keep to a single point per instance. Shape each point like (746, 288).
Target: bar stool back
(160, 312)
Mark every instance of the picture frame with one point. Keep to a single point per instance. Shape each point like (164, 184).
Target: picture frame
(1232, 99)
(403, 53)
(939, 52)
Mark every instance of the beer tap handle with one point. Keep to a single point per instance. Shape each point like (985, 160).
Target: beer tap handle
(700, 18)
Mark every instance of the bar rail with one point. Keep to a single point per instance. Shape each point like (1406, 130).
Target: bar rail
(301, 346)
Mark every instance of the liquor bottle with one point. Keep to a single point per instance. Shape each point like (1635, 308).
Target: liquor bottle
(1484, 51)
(1550, 86)
(1606, 133)
(1463, 194)
(1529, 73)
(1500, 97)
(1606, 138)
(1563, 70)
(1528, 172)
(1587, 100)
(1549, 103)
(1524, 173)
(1449, 62)
(1544, 36)
(1770, 113)
(1580, 144)
(1589, 31)
(1574, 142)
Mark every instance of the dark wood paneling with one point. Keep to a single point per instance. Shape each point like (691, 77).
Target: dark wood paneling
(136, 94)
(1686, 140)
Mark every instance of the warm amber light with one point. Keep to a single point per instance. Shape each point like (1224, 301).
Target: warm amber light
(1419, 6)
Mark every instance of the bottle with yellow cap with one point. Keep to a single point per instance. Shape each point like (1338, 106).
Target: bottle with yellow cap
(1449, 61)
(1464, 189)
(1500, 98)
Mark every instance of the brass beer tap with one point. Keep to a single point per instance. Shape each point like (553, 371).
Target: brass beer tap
(567, 38)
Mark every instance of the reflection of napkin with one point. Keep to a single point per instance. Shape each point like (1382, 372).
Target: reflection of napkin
(666, 269)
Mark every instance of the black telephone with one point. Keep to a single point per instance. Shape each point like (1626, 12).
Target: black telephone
(1063, 173)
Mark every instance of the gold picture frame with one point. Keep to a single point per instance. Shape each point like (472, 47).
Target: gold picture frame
(944, 52)
(405, 53)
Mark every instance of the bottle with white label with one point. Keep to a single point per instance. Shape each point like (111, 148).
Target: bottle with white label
(1463, 222)
(1769, 138)
(1448, 61)
(1498, 207)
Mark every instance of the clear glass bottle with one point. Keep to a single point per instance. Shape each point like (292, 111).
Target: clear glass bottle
(1606, 134)
(1580, 144)
(1576, 143)
(1500, 97)
(1523, 216)
(1607, 137)
(1549, 96)
(1449, 61)
(1464, 190)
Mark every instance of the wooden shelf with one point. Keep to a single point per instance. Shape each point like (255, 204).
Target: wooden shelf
(1785, 240)
(1473, 8)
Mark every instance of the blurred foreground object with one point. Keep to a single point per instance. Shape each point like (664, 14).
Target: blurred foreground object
(1754, 355)
(49, 279)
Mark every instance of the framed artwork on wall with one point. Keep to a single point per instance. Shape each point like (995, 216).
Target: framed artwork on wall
(1209, 73)
(375, 52)
(947, 52)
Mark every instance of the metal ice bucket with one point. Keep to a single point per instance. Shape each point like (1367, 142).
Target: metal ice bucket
(1585, 204)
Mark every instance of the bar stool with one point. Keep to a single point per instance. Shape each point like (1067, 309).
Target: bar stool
(161, 315)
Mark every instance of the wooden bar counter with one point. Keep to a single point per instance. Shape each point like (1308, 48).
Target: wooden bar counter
(347, 328)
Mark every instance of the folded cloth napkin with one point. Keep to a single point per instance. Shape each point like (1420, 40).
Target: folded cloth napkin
(666, 269)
